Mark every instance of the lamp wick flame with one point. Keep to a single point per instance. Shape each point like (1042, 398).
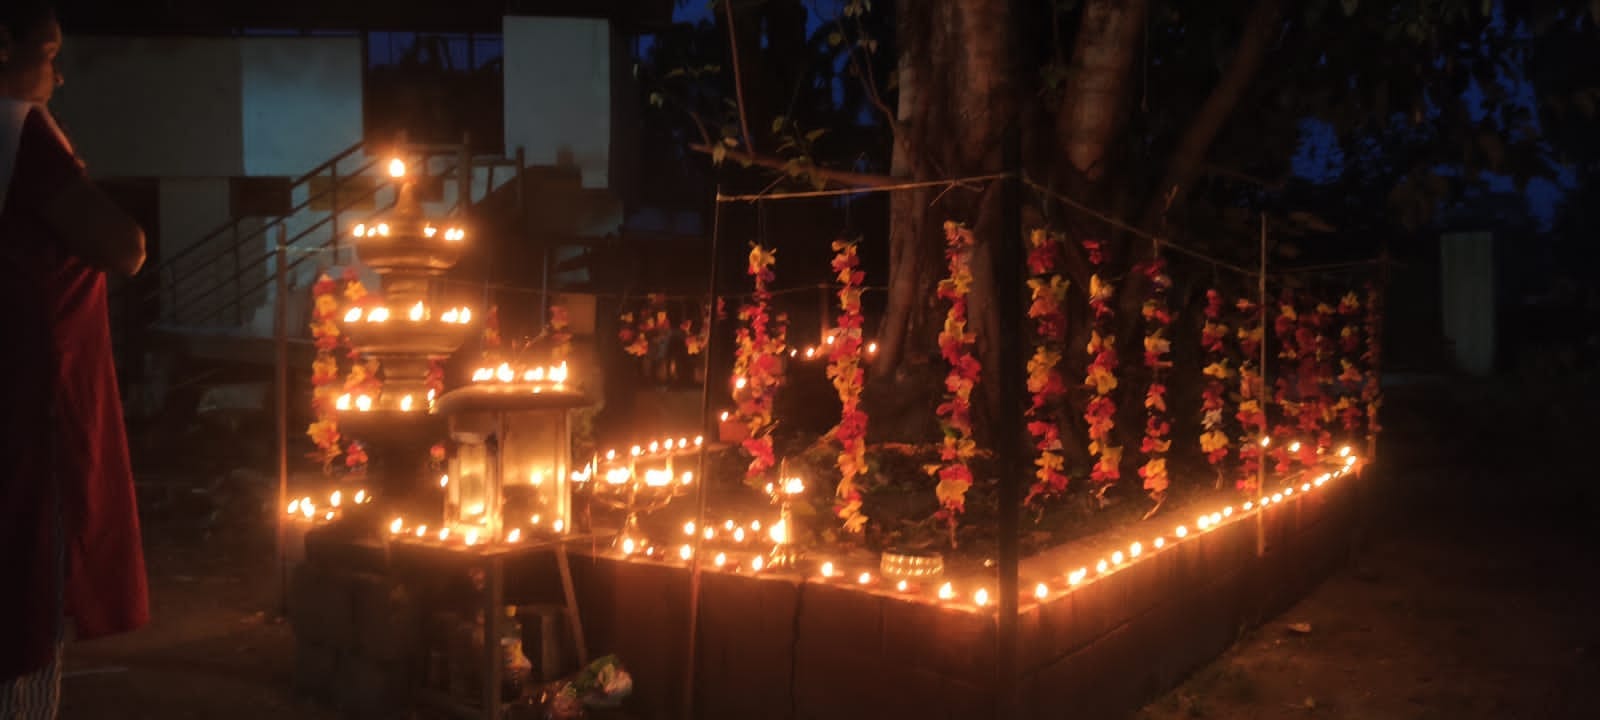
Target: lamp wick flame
(397, 168)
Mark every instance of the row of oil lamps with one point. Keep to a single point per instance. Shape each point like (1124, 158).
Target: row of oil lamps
(418, 313)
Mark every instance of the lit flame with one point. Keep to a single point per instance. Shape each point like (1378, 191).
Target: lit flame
(343, 403)
(422, 530)
(534, 519)
(378, 315)
(755, 563)
(724, 415)
(429, 231)
(1135, 549)
(685, 552)
(466, 316)
(514, 535)
(688, 477)
(361, 230)
(353, 315)
(720, 560)
(383, 229)
(336, 498)
(628, 546)
(657, 478)
(946, 592)
(827, 569)
(1040, 591)
(901, 586)
(534, 375)
(1265, 441)
(872, 347)
(1116, 557)
(444, 534)
(395, 527)
(444, 480)
(472, 537)
(535, 478)
(740, 383)
(1344, 451)
(1102, 566)
(294, 506)
(417, 311)
(558, 525)
(397, 168)
(364, 403)
(617, 476)
(1160, 543)
(794, 486)
(779, 532)
(864, 578)
(688, 528)
(738, 534)
(1294, 447)
(405, 403)
(1076, 576)
(504, 373)
(361, 497)
(453, 315)
(475, 509)
(1181, 531)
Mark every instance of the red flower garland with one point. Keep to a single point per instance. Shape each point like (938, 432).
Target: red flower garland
(1101, 377)
(324, 430)
(1251, 414)
(1213, 440)
(844, 369)
(955, 413)
(1349, 382)
(1284, 327)
(491, 329)
(760, 343)
(1049, 291)
(1157, 427)
(1317, 410)
(1372, 390)
(560, 334)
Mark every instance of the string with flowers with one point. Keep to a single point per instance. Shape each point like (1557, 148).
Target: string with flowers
(1157, 428)
(491, 329)
(848, 376)
(1349, 383)
(1316, 413)
(694, 340)
(1214, 441)
(759, 343)
(1284, 327)
(1101, 377)
(1045, 383)
(1372, 389)
(560, 334)
(955, 413)
(1251, 414)
(324, 428)
(637, 327)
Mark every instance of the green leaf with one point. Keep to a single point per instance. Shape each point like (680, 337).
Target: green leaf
(814, 134)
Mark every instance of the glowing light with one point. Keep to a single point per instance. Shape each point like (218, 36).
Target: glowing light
(687, 478)
(1248, 505)
(406, 403)
(901, 586)
(343, 403)
(353, 315)
(699, 440)
(1344, 451)
(655, 447)
(657, 477)
(1277, 497)
(383, 229)
(514, 536)
(364, 403)
(946, 592)
(727, 525)
(755, 563)
(417, 311)
(329, 516)
(810, 352)
(755, 526)
(1160, 543)
(558, 525)
(1077, 576)
(535, 478)
(466, 315)
(685, 552)
(688, 528)
(1040, 591)
(1203, 522)
(534, 520)
(827, 569)
(1135, 549)
(865, 578)
(637, 451)
(361, 230)
(378, 315)
(778, 532)
(336, 498)
(872, 347)
(1288, 491)
(444, 480)
(422, 530)
(1102, 566)
(453, 315)
(1227, 511)
(1116, 557)
(444, 533)
(294, 506)
(720, 560)
(1294, 447)
(471, 537)
(1265, 441)
(475, 509)
(981, 597)
(397, 168)
(1181, 531)
(738, 535)
(627, 546)
(1305, 488)
(724, 415)
(1216, 518)
(618, 476)
(362, 497)
(394, 527)
(504, 373)
(828, 339)
(710, 534)
(740, 383)
(429, 231)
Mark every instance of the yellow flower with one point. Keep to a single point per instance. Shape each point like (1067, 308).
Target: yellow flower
(1218, 370)
(1213, 441)
(355, 291)
(1101, 380)
(1099, 289)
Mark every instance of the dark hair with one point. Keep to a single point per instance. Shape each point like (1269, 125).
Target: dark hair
(22, 18)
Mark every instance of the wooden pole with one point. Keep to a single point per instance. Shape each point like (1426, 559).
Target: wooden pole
(280, 390)
(703, 491)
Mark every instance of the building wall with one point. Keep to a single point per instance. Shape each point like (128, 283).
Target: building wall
(558, 93)
(301, 102)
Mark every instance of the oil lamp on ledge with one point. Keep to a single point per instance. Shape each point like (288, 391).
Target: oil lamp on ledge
(408, 330)
(642, 480)
(785, 552)
(510, 476)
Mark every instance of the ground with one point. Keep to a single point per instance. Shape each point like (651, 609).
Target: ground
(1472, 595)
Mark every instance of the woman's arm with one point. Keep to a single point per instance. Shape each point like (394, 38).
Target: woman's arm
(89, 224)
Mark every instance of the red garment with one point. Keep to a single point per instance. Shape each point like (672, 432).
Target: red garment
(61, 422)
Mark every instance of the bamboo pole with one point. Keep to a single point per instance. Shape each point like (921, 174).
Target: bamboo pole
(280, 341)
(1261, 393)
(703, 492)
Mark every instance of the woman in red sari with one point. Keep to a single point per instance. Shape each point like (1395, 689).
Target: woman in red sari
(69, 528)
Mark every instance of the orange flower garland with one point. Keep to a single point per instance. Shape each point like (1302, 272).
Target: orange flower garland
(955, 413)
(1349, 382)
(1045, 383)
(1317, 380)
(1372, 390)
(1213, 440)
(1156, 347)
(1287, 383)
(1101, 378)
(759, 344)
(324, 430)
(560, 334)
(1252, 415)
(844, 369)
(491, 329)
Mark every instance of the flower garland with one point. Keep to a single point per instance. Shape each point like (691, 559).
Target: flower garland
(1372, 390)
(1318, 377)
(1045, 383)
(1157, 427)
(1252, 415)
(324, 429)
(955, 413)
(1284, 327)
(844, 369)
(694, 342)
(1101, 377)
(1350, 379)
(760, 343)
(491, 329)
(560, 334)
(1213, 440)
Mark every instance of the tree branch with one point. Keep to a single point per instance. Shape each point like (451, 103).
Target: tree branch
(844, 178)
(1092, 108)
(1187, 160)
(738, 82)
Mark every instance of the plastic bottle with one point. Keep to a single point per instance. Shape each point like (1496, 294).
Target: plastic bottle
(516, 671)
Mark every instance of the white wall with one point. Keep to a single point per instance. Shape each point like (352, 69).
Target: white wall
(133, 105)
(301, 102)
(558, 93)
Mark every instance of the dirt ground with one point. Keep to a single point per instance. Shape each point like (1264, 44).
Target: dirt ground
(1474, 595)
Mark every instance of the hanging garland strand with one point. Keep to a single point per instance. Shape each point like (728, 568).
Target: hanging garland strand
(324, 430)
(1319, 406)
(1157, 428)
(1252, 415)
(1350, 380)
(1372, 390)
(1283, 328)
(560, 332)
(1101, 378)
(1045, 384)
(844, 369)
(760, 343)
(1214, 441)
(955, 413)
